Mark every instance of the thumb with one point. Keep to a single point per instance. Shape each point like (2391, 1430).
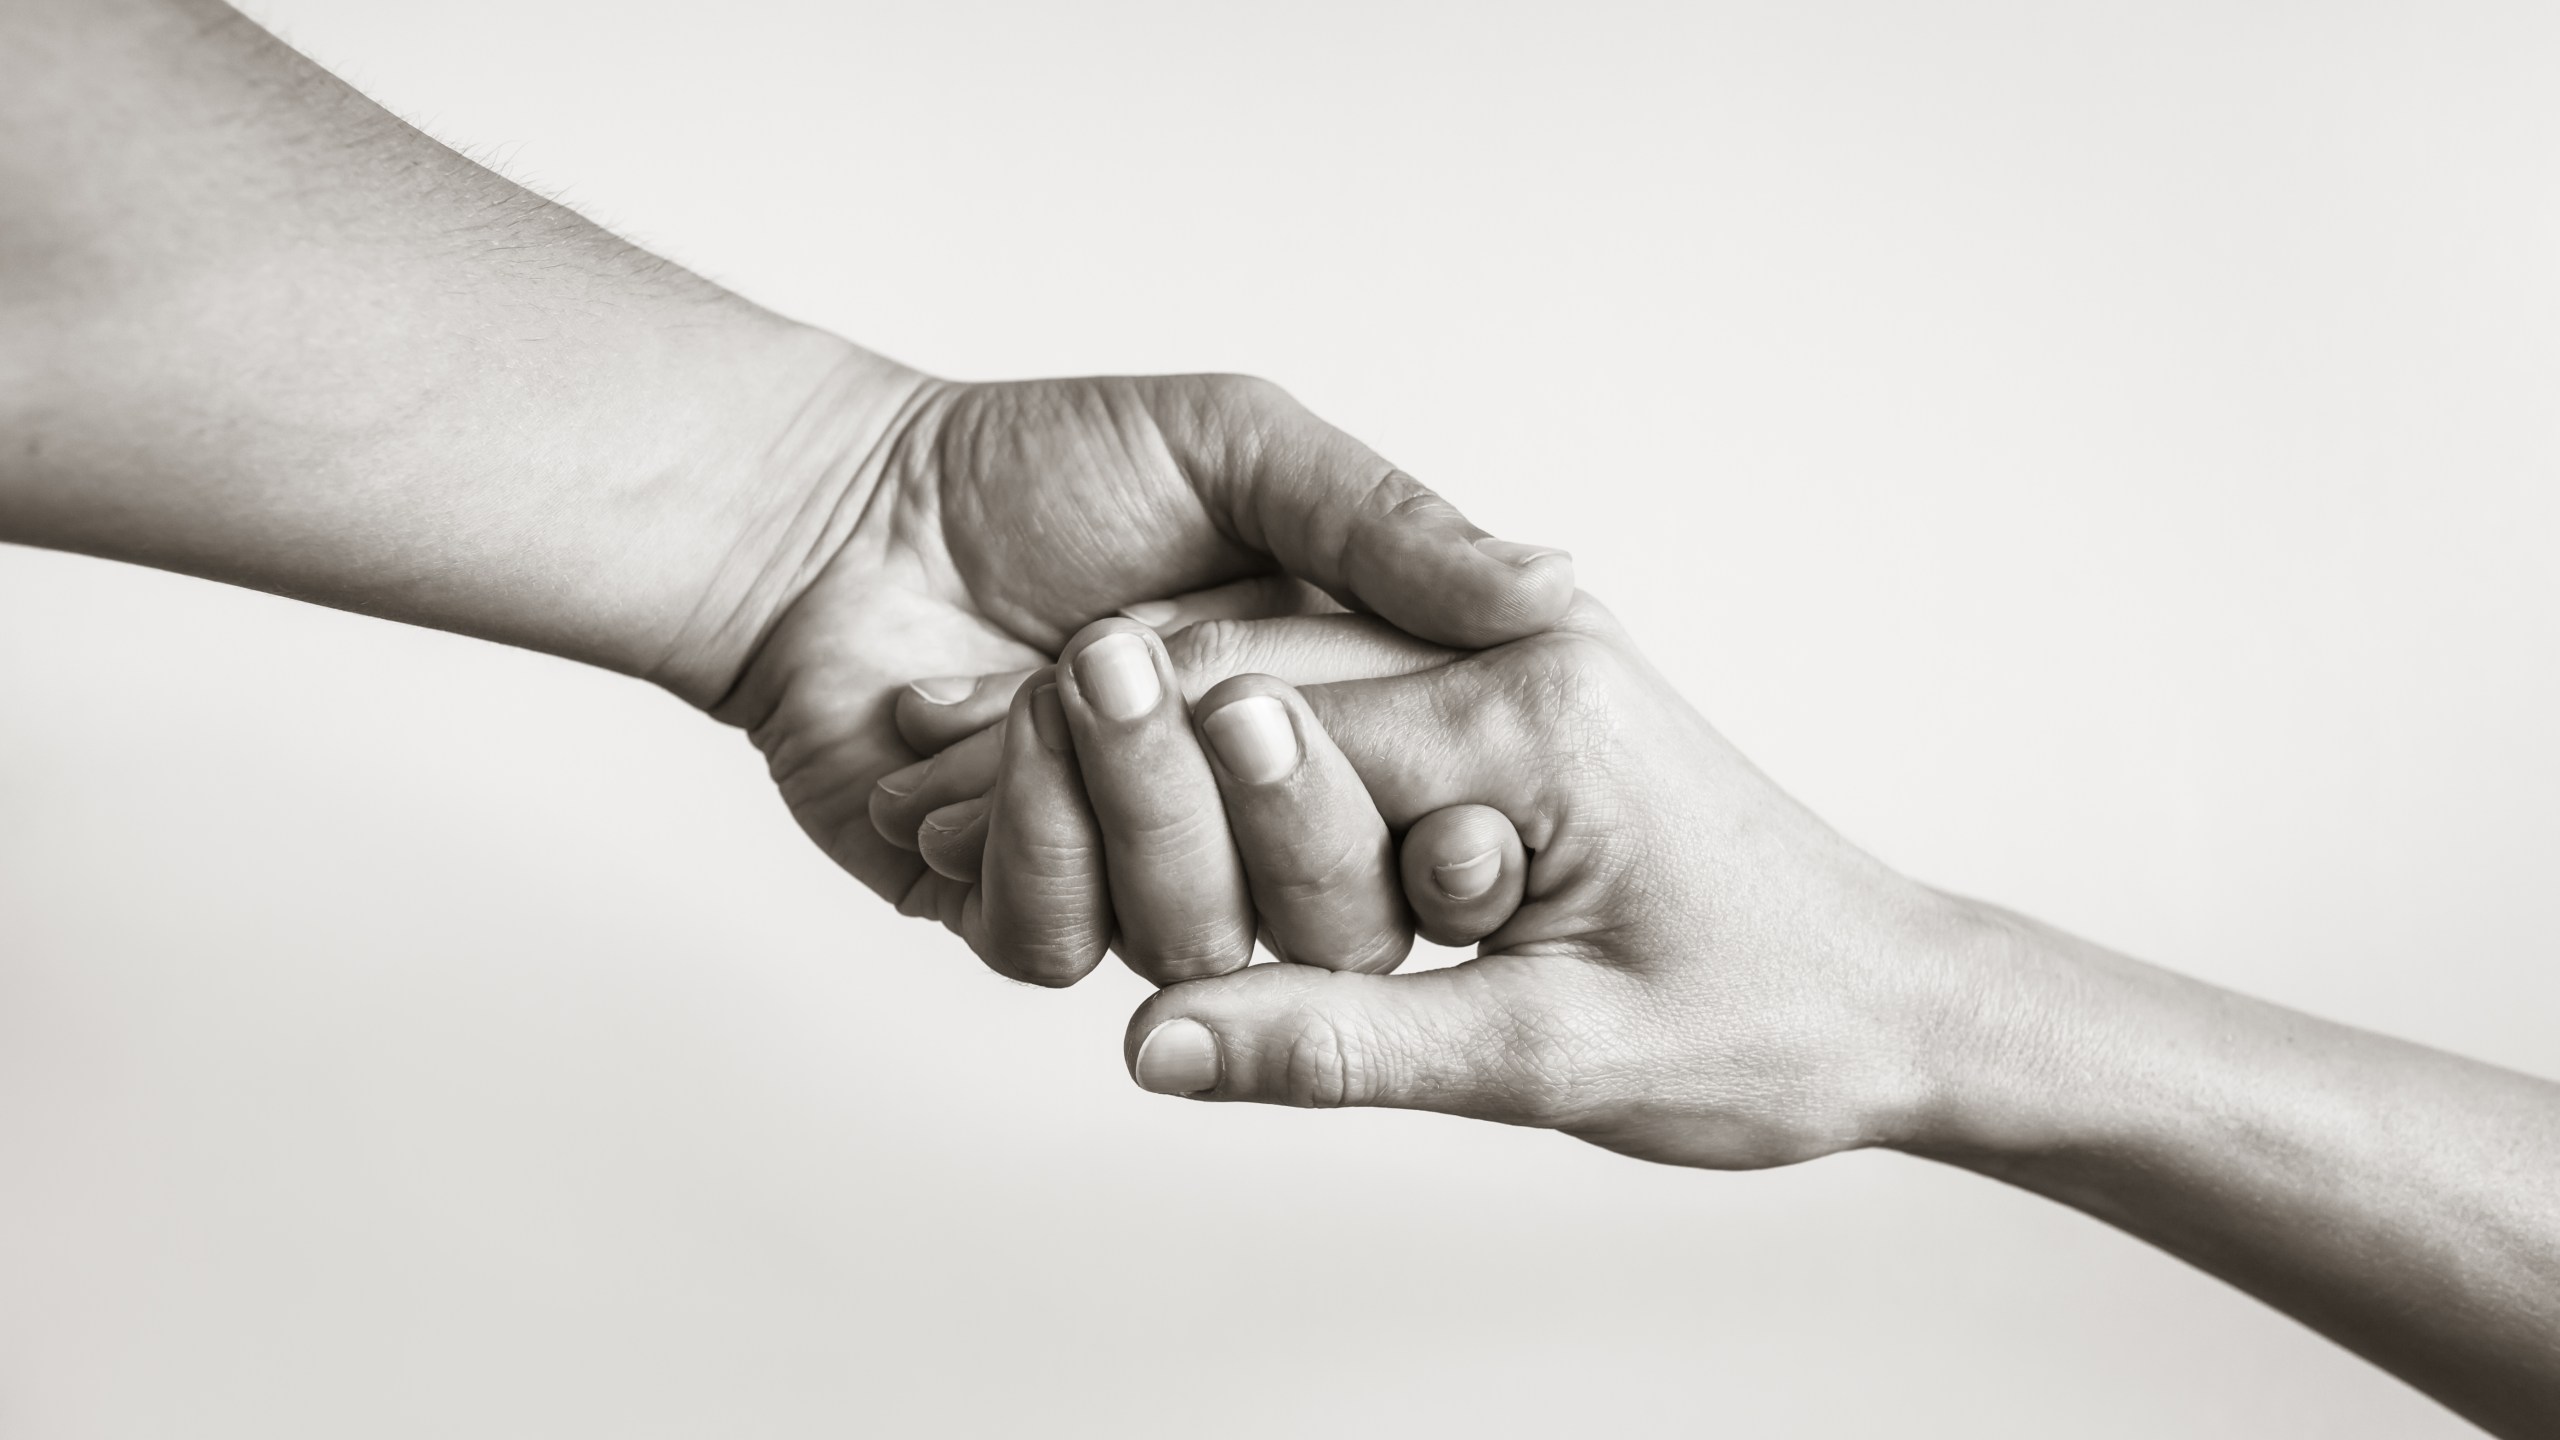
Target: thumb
(1493, 1039)
(1333, 513)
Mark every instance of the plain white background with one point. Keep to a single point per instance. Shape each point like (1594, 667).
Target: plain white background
(2102, 457)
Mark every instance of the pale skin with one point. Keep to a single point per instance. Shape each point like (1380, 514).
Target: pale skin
(253, 328)
(1700, 972)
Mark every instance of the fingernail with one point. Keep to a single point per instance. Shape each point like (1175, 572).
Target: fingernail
(1152, 613)
(945, 689)
(1178, 1057)
(1467, 879)
(1119, 676)
(903, 783)
(1254, 739)
(1048, 719)
(1512, 552)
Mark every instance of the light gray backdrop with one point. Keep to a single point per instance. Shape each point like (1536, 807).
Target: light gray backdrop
(2102, 458)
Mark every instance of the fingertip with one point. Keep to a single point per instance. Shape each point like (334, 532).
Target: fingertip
(1249, 724)
(1233, 688)
(1465, 871)
(935, 712)
(888, 811)
(953, 839)
(1115, 670)
(1463, 880)
(1178, 1057)
(900, 801)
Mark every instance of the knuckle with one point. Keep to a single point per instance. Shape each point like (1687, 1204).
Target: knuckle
(1312, 872)
(1382, 951)
(1186, 951)
(1054, 957)
(1246, 413)
(1248, 393)
(1047, 930)
(1208, 652)
(1408, 499)
(1564, 691)
(1323, 1065)
(1183, 835)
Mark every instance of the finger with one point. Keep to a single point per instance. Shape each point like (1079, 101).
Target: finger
(1428, 741)
(825, 765)
(902, 798)
(1177, 890)
(938, 897)
(1464, 872)
(1331, 512)
(1319, 860)
(1511, 1038)
(1258, 598)
(1298, 650)
(954, 837)
(1044, 901)
(934, 713)
(1500, 727)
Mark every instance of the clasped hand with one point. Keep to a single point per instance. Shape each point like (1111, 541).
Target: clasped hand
(1678, 961)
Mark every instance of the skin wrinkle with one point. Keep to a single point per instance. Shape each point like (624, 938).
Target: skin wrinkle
(871, 477)
(1153, 452)
(1323, 1070)
(1243, 449)
(1116, 410)
(1363, 526)
(1353, 856)
(1210, 648)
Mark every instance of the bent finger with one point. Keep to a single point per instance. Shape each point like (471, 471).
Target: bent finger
(1298, 650)
(1319, 860)
(1178, 891)
(1464, 872)
(953, 839)
(1332, 512)
(902, 798)
(1258, 597)
(1043, 902)
(933, 713)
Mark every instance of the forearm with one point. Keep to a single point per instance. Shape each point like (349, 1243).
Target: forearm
(255, 328)
(2403, 1201)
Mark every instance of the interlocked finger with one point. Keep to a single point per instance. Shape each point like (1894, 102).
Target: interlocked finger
(1317, 857)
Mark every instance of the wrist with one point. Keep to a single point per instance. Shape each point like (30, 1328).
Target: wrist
(2051, 1051)
(2007, 1058)
(766, 491)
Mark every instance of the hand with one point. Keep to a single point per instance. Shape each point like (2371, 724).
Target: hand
(992, 521)
(1699, 972)
(1702, 973)
(1038, 880)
